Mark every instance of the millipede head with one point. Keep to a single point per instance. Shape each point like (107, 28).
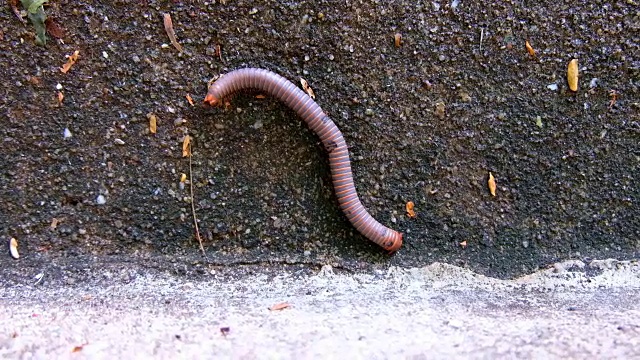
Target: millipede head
(211, 100)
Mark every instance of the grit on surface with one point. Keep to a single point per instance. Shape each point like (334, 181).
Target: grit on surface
(574, 310)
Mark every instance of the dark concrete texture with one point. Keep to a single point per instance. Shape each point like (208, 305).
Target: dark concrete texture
(566, 164)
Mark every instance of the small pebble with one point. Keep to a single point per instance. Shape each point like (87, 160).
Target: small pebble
(118, 141)
(552, 87)
(101, 200)
(67, 133)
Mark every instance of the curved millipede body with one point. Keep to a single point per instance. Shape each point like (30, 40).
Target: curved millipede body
(284, 90)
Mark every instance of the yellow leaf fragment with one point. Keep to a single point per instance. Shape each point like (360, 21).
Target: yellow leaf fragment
(60, 97)
(529, 48)
(183, 177)
(492, 184)
(307, 88)
(168, 27)
(409, 207)
(186, 146)
(397, 39)
(13, 248)
(153, 123)
(71, 59)
(189, 99)
(572, 75)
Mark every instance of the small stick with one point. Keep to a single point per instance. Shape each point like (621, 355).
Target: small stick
(193, 207)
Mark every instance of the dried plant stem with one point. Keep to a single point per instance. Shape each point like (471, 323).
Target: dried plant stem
(193, 206)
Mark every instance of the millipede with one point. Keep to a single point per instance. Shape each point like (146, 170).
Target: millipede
(284, 90)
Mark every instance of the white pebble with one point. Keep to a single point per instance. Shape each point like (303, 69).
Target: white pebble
(552, 87)
(118, 141)
(59, 86)
(101, 200)
(105, 55)
(67, 133)
(594, 82)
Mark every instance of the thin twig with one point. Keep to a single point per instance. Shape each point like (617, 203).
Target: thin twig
(193, 206)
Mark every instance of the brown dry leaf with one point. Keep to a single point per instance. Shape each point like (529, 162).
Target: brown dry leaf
(307, 88)
(492, 184)
(60, 97)
(153, 123)
(186, 146)
(572, 75)
(189, 99)
(71, 59)
(33, 80)
(530, 49)
(463, 244)
(614, 97)
(78, 348)
(440, 109)
(260, 96)
(410, 212)
(53, 28)
(168, 27)
(13, 248)
(279, 306)
(14, 7)
(218, 52)
(397, 39)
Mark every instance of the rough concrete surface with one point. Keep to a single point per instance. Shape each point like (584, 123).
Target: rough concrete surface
(425, 122)
(573, 310)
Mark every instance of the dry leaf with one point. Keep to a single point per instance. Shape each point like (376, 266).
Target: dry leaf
(168, 27)
(54, 223)
(410, 212)
(153, 123)
(60, 97)
(14, 7)
(572, 75)
(71, 59)
(529, 48)
(78, 348)
(218, 52)
(492, 184)
(440, 109)
(397, 39)
(13, 248)
(186, 146)
(614, 97)
(260, 96)
(279, 306)
(53, 28)
(463, 244)
(307, 88)
(189, 99)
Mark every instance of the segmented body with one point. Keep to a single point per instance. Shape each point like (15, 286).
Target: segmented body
(331, 137)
